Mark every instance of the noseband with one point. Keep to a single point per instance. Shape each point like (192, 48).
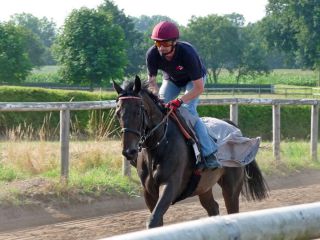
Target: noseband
(141, 133)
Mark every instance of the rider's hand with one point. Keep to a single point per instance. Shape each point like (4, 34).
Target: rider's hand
(174, 104)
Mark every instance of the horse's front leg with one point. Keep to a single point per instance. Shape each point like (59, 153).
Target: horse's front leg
(166, 196)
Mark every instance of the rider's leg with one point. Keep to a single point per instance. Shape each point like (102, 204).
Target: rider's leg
(208, 146)
(168, 91)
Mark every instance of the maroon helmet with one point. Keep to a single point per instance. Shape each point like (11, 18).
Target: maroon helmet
(165, 31)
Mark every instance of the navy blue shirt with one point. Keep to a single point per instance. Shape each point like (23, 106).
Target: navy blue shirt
(185, 65)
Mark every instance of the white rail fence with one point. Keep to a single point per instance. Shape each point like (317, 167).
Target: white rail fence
(66, 107)
(286, 223)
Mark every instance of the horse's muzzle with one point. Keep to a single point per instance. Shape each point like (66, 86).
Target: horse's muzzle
(130, 154)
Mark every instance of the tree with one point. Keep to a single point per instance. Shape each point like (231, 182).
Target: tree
(253, 53)
(15, 64)
(133, 38)
(236, 19)
(145, 23)
(216, 38)
(91, 48)
(293, 26)
(45, 33)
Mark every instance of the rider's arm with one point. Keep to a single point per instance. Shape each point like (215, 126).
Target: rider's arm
(197, 89)
(153, 84)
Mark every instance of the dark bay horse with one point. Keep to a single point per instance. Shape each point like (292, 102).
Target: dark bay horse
(166, 161)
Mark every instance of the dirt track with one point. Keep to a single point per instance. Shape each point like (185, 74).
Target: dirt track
(102, 221)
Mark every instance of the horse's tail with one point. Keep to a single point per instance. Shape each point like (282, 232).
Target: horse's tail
(255, 186)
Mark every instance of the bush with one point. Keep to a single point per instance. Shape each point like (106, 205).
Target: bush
(253, 120)
(28, 123)
(257, 120)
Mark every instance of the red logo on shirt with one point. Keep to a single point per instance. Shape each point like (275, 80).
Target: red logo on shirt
(179, 68)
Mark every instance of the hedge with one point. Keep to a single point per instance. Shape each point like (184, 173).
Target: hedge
(254, 120)
(34, 120)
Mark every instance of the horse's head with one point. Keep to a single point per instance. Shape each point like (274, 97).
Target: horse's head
(140, 114)
(130, 114)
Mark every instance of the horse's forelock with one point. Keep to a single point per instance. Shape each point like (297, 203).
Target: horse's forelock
(128, 87)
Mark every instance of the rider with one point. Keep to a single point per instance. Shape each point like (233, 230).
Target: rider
(182, 71)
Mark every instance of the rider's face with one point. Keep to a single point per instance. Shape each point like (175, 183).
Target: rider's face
(164, 47)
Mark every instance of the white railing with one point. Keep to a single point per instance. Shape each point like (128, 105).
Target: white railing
(66, 107)
(285, 223)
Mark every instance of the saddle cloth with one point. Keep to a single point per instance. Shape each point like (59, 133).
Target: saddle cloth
(234, 150)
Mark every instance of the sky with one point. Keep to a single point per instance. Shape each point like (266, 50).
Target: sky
(178, 10)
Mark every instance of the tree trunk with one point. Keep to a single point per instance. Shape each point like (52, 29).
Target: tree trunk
(91, 85)
(215, 76)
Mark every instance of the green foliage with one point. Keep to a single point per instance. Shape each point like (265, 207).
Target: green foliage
(8, 174)
(253, 54)
(15, 64)
(44, 78)
(145, 23)
(91, 48)
(34, 121)
(294, 27)
(278, 76)
(216, 39)
(257, 120)
(43, 33)
(133, 38)
(103, 180)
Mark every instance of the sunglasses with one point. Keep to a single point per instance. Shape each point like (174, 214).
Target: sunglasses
(163, 43)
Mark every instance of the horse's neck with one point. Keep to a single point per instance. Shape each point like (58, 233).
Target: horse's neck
(155, 115)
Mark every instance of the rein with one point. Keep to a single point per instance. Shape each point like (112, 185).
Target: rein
(144, 137)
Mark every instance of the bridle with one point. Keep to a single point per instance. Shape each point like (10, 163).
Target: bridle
(134, 131)
(141, 133)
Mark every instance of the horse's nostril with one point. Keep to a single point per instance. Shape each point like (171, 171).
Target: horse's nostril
(133, 151)
(129, 153)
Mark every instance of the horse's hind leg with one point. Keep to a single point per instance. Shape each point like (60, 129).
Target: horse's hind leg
(207, 201)
(231, 184)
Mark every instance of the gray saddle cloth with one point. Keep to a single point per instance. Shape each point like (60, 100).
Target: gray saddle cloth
(234, 150)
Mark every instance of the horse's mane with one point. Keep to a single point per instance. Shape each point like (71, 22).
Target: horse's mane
(128, 85)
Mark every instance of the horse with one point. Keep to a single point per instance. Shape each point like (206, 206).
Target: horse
(165, 162)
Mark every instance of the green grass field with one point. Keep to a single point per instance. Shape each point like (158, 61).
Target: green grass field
(296, 77)
(95, 167)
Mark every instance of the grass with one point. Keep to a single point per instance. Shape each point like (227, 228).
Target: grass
(296, 77)
(95, 169)
(295, 155)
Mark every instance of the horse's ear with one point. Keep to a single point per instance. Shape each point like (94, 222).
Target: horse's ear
(116, 86)
(137, 85)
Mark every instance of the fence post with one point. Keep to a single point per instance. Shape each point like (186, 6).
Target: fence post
(276, 131)
(64, 143)
(314, 131)
(126, 167)
(234, 113)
